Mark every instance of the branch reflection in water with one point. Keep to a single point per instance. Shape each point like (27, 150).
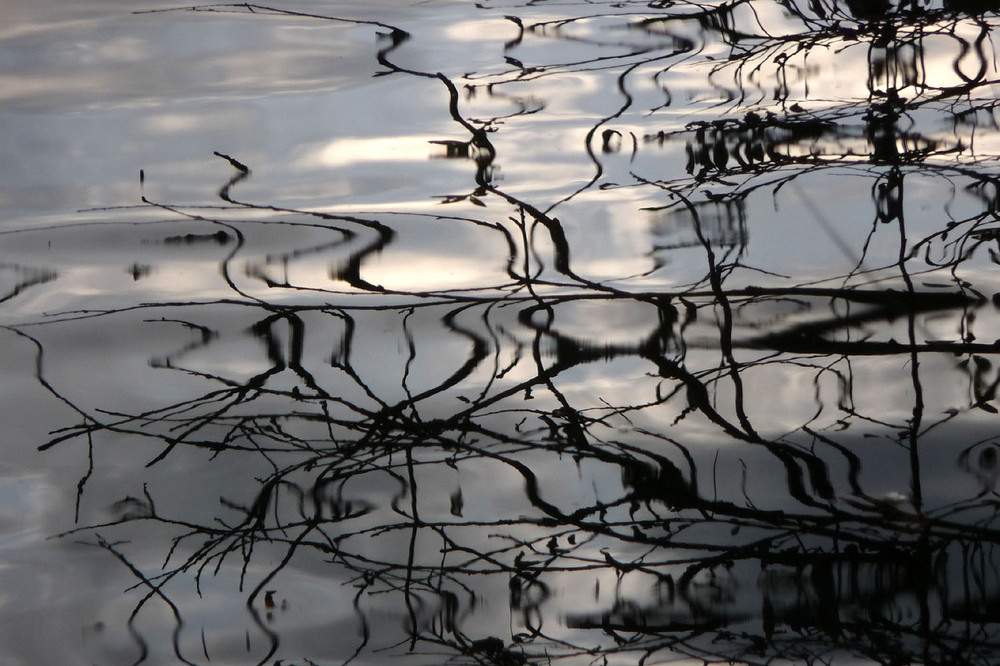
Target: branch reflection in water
(768, 435)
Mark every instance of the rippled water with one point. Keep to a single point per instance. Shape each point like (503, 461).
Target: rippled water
(505, 333)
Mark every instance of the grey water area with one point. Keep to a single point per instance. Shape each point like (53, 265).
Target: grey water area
(511, 332)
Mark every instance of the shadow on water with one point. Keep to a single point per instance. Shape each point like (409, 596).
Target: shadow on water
(723, 453)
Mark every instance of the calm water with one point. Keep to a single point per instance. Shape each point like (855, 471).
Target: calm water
(518, 332)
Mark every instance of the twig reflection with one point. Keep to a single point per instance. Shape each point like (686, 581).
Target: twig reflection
(647, 464)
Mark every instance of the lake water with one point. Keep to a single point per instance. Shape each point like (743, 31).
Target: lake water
(511, 332)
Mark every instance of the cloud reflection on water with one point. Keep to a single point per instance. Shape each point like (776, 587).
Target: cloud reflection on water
(638, 332)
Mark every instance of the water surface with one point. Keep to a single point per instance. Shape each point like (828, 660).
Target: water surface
(502, 333)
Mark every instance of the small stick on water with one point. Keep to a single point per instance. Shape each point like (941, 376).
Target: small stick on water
(239, 166)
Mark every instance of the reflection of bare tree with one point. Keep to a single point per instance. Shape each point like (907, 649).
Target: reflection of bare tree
(718, 528)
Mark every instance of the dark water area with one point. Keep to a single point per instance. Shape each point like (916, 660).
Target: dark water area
(511, 332)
